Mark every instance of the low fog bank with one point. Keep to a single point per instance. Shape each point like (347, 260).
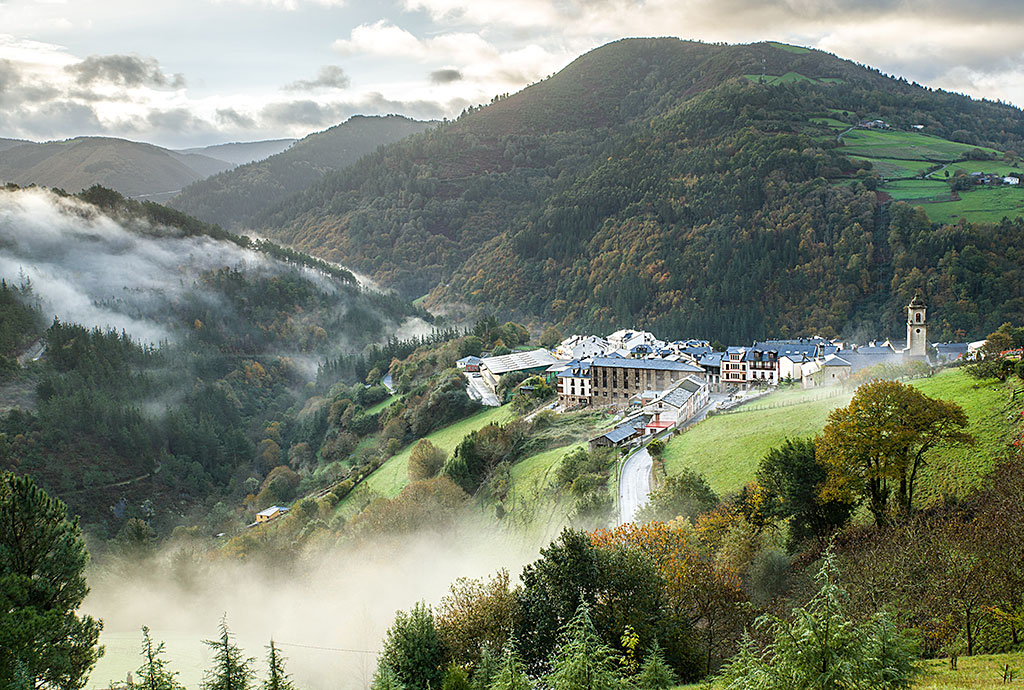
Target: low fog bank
(89, 269)
(340, 598)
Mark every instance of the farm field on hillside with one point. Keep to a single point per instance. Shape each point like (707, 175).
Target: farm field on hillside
(985, 205)
(988, 167)
(873, 143)
(903, 190)
(893, 167)
(393, 475)
(728, 448)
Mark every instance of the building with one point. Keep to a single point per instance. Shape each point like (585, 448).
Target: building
(615, 380)
(632, 429)
(574, 384)
(711, 363)
(470, 364)
(950, 352)
(270, 513)
(744, 366)
(917, 329)
(676, 406)
(532, 362)
(583, 347)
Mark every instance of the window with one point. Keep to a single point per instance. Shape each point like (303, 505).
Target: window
(919, 317)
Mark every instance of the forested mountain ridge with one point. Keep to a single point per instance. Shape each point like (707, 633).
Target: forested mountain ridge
(666, 182)
(233, 197)
(132, 168)
(188, 401)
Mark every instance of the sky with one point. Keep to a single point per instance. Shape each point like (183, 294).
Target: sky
(183, 73)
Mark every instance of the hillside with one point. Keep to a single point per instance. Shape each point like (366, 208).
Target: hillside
(168, 355)
(667, 184)
(240, 153)
(131, 168)
(728, 448)
(232, 198)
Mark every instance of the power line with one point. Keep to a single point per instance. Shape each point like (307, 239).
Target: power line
(328, 649)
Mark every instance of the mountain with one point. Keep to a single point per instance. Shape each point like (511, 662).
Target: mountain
(132, 168)
(232, 198)
(11, 143)
(165, 353)
(240, 153)
(712, 190)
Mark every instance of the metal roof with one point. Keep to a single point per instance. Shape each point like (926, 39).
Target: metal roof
(519, 361)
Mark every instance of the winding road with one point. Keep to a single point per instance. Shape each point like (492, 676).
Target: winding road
(635, 478)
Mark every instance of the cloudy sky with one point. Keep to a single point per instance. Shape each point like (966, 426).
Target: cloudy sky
(193, 72)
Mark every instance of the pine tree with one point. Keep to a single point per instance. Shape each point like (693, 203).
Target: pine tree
(277, 678)
(821, 649)
(511, 675)
(486, 669)
(655, 674)
(583, 661)
(153, 674)
(232, 670)
(385, 678)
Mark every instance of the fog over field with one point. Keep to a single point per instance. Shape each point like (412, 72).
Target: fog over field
(331, 599)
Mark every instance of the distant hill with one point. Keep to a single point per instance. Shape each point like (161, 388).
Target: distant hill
(132, 168)
(11, 143)
(694, 189)
(240, 153)
(232, 198)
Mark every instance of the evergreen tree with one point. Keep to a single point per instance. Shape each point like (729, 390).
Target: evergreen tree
(511, 675)
(277, 678)
(385, 678)
(231, 670)
(486, 669)
(655, 674)
(43, 644)
(821, 649)
(583, 662)
(153, 674)
(412, 649)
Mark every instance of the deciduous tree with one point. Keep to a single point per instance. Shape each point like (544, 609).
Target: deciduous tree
(875, 446)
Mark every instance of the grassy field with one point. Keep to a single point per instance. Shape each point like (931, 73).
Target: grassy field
(893, 167)
(903, 190)
(830, 122)
(393, 475)
(790, 78)
(878, 143)
(984, 205)
(982, 672)
(728, 448)
(991, 167)
(799, 50)
(383, 404)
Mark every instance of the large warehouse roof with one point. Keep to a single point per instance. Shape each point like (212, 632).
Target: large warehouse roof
(519, 361)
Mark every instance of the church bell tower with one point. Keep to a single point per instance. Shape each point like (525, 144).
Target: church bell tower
(917, 328)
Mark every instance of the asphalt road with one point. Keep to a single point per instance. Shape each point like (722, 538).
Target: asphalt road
(635, 481)
(634, 484)
(478, 390)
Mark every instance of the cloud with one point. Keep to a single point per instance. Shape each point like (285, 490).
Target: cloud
(233, 118)
(123, 70)
(445, 76)
(380, 38)
(329, 77)
(310, 113)
(289, 5)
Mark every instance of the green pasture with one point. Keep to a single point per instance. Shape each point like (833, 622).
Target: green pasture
(790, 78)
(830, 122)
(902, 190)
(894, 167)
(728, 448)
(880, 143)
(989, 205)
(384, 404)
(799, 50)
(988, 167)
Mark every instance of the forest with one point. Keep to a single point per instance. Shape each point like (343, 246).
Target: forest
(675, 193)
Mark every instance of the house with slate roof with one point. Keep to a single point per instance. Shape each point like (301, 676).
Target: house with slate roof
(614, 381)
(574, 384)
(675, 406)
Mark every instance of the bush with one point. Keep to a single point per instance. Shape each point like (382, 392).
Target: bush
(425, 460)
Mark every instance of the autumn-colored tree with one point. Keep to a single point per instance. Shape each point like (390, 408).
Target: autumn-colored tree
(875, 446)
(477, 615)
(425, 460)
(707, 598)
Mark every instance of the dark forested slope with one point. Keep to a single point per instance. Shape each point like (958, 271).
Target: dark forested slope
(233, 197)
(665, 183)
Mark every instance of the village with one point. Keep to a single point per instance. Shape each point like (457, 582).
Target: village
(657, 386)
